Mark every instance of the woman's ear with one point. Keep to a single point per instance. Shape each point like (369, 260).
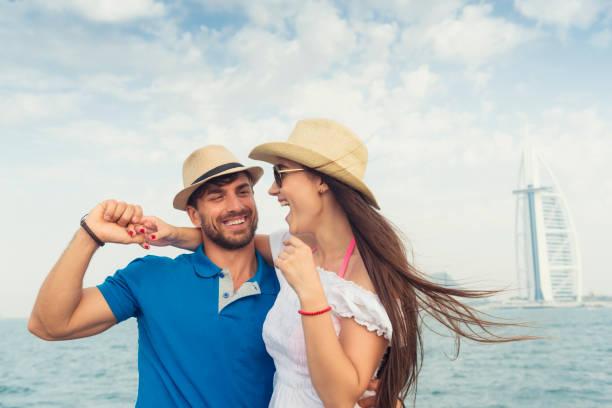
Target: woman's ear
(194, 216)
(323, 187)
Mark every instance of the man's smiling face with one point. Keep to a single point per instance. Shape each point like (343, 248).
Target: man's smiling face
(227, 212)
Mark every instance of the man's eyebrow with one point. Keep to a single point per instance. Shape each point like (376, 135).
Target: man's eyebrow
(243, 185)
(213, 190)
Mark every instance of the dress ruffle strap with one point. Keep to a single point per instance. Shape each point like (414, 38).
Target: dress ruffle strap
(350, 300)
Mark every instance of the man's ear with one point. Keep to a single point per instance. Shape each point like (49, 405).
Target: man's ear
(194, 216)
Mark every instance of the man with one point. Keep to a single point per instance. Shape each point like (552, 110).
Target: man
(200, 315)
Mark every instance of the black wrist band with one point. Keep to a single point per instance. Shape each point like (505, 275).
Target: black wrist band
(90, 232)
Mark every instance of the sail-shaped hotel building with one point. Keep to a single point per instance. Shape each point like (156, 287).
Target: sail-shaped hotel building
(547, 255)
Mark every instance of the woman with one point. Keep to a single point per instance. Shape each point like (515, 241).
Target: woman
(350, 294)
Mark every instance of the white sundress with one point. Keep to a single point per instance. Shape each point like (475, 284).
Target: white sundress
(284, 336)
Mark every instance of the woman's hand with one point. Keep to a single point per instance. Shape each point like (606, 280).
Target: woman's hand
(297, 265)
(156, 231)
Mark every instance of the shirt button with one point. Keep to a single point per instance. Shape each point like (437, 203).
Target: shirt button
(226, 295)
(221, 274)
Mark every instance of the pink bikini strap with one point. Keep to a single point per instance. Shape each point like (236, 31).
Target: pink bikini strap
(349, 252)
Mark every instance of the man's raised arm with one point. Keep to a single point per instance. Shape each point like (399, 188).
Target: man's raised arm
(64, 309)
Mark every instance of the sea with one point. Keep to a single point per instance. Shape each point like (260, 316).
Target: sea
(571, 366)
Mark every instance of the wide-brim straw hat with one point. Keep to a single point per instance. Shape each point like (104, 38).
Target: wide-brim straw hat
(205, 164)
(325, 146)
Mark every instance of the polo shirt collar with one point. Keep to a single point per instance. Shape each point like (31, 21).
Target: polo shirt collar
(265, 276)
(205, 268)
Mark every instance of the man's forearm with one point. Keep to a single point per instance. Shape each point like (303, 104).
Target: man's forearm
(61, 291)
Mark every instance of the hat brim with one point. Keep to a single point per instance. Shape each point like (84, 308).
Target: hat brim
(271, 152)
(180, 200)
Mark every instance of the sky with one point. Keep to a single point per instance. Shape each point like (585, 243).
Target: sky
(105, 99)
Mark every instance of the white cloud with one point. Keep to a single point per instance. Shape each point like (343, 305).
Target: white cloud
(272, 14)
(564, 13)
(376, 39)
(32, 108)
(479, 78)
(98, 135)
(422, 12)
(118, 86)
(577, 143)
(338, 96)
(261, 50)
(472, 38)
(62, 172)
(108, 11)
(417, 84)
(35, 79)
(322, 34)
(365, 99)
(601, 39)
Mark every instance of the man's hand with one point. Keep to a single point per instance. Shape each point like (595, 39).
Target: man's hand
(109, 221)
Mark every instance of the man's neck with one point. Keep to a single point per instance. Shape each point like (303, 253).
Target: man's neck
(241, 262)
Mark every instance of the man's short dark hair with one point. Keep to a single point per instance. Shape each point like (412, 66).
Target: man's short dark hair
(217, 181)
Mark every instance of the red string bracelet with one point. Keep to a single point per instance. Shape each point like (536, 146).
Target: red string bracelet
(318, 312)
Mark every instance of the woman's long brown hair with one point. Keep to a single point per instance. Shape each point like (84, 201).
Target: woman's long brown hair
(405, 293)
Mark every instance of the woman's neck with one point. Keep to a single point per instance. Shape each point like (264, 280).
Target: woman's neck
(333, 234)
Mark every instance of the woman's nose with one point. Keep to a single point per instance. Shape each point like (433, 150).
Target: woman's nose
(274, 189)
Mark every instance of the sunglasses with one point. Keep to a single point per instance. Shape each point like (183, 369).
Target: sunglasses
(278, 174)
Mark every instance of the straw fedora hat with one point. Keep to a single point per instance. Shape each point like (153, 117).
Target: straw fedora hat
(205, 164)
(326, 146)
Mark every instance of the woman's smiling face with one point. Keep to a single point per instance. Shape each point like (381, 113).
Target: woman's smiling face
(300, 192)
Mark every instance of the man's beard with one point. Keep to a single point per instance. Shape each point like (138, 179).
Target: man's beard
(231, 242)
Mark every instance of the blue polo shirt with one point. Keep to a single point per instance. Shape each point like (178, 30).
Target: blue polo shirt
(199, 343)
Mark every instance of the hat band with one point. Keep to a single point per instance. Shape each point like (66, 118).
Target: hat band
(217, 170)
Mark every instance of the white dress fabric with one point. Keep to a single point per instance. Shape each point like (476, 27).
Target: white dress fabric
(284, 336)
